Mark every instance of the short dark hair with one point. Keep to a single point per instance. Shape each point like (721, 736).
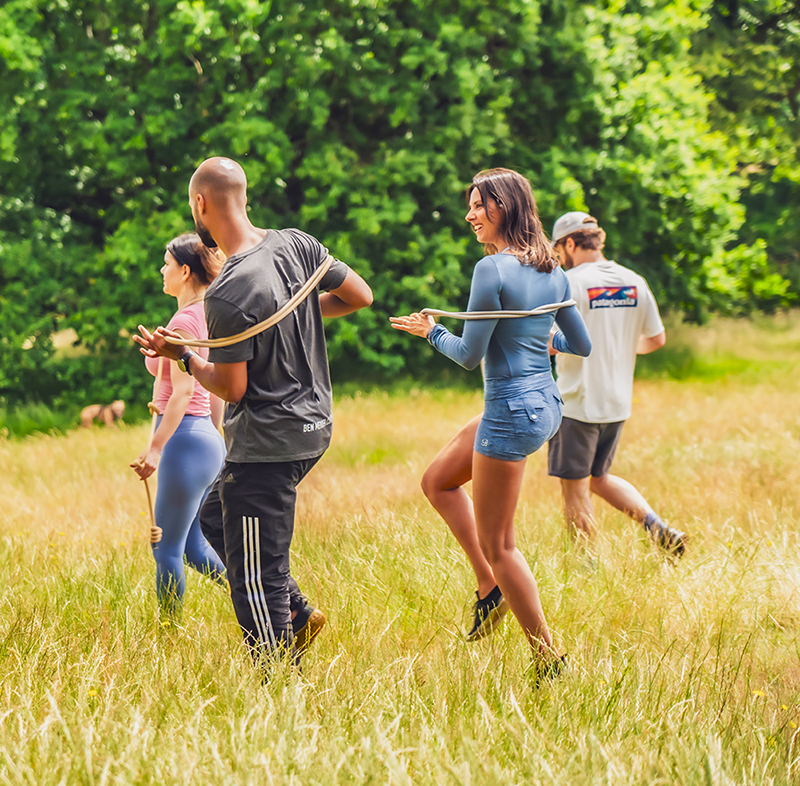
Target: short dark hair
(590, 239)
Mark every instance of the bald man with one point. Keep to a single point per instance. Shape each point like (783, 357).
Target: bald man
(278, 417)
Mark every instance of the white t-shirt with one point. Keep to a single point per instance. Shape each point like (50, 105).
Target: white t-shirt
(618, 307)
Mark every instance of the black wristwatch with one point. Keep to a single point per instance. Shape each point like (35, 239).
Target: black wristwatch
(183, 361)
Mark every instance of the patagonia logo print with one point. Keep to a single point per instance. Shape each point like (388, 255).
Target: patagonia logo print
(612, 297)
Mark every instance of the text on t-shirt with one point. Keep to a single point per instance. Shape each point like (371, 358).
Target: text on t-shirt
(612, 297)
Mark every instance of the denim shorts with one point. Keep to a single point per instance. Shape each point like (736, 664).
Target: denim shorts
(519, 416)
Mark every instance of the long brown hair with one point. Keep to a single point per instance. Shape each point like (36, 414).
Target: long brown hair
(518, 221)
(205, 263)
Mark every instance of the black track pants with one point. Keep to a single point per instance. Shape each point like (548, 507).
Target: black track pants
(248, 518)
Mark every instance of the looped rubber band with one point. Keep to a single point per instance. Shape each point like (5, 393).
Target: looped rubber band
(290, 305)
(283, 311)
(469, 315)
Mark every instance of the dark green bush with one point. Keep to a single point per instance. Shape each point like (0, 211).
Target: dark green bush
(360, 122)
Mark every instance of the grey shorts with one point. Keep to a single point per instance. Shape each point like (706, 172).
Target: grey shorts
(580, 449)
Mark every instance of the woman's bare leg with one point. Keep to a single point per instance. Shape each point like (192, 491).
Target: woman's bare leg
(496, 485)
(442, 485)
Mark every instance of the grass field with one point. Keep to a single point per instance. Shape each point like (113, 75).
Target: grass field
(679, 674)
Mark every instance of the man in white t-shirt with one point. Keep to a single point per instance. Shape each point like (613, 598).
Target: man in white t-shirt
(622, 317)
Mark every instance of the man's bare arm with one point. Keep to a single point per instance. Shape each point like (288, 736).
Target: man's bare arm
(228, 381)
(353, 294)
(648, 345)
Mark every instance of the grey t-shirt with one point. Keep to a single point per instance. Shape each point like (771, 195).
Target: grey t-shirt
(286, 411)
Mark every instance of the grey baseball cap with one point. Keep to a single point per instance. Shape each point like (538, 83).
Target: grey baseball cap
(572, 222)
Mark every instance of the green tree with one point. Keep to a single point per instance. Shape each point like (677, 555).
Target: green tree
(749, 57)
(360, 122)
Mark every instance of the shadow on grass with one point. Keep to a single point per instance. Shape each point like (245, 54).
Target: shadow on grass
(28, 419)
(21, 421)
(681, 363)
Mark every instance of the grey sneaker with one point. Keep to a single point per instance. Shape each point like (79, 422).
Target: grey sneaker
(673, 541)
(488, 613)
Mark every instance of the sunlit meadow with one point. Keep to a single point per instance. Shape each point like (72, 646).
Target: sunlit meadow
(678, 673)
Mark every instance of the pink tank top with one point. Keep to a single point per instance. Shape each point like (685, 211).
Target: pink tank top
(191, 320)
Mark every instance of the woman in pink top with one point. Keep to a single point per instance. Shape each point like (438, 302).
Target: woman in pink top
(187, 448)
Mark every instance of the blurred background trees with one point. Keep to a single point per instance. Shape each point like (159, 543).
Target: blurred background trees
(675, 122)
(749, 58)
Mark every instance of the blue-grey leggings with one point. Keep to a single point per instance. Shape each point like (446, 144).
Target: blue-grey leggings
(190, 461)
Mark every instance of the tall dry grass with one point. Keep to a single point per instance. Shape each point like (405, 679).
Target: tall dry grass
(685, 673)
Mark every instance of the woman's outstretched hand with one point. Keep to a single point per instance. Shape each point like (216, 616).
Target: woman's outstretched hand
(416, 324)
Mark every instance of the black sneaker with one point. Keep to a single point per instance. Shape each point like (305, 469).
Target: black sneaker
(488, 613)
(671, 540)
(548, 672)
(306, 625)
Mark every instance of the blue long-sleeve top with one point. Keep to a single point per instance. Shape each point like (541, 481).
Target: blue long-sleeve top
(514, 347)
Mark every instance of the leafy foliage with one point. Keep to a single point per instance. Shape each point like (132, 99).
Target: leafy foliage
(749, 56)
(360, 122)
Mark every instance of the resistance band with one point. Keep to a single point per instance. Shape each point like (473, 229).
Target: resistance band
(155, 531)
(468, 315)
(287, 308)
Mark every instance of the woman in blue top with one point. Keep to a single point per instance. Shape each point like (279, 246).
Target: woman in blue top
(522, 409)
